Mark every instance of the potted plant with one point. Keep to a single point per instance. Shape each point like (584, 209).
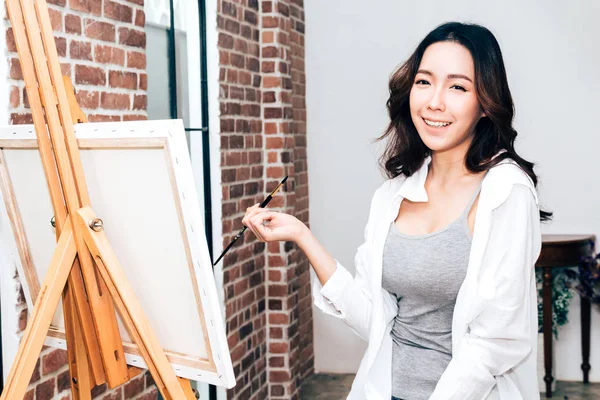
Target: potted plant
(563, 280)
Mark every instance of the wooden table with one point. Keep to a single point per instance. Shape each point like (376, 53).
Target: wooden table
(563, 251)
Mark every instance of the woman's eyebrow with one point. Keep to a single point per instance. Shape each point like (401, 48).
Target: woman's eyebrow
(450, 76)
(459, 76)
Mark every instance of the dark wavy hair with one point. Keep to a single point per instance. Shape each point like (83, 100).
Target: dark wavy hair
(405, 151)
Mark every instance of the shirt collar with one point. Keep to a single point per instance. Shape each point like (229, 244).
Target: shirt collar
(413, 187)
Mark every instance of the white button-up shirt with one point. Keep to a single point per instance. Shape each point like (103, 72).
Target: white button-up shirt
(494, 326)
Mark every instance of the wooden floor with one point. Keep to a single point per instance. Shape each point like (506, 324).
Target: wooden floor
(336, 387)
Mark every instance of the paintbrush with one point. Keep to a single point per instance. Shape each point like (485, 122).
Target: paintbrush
(241, 232)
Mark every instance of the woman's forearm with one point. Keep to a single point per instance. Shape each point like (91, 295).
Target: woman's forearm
(322, 262)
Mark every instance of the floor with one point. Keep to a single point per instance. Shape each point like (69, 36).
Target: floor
(336, 387)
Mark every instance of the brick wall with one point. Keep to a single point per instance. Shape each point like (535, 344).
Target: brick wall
(101, 46)
(263, 138)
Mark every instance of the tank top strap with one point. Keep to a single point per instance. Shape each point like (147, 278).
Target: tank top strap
(472, 200)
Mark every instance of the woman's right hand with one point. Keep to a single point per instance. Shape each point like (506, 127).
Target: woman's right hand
(272, 226)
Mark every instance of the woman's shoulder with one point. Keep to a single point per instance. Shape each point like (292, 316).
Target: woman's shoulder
(501, 180)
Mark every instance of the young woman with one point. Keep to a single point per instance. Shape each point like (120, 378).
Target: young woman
(444, 290)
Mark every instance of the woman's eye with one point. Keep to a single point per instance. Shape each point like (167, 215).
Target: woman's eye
(458, 87)
(421, 82)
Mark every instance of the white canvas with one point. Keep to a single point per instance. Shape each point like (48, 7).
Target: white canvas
(140, 183)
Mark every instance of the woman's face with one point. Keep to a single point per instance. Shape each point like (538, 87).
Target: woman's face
(443, 104)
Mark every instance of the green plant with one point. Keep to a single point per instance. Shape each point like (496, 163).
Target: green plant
(589, 279)
(562, 293)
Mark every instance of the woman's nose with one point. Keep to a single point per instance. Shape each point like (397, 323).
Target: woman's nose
(436, 101)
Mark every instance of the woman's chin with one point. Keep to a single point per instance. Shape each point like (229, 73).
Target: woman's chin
(436, 144)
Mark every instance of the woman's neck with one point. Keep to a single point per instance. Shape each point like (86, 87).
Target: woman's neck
(448, 167)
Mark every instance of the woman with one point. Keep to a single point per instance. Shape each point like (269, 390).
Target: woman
(444, 291)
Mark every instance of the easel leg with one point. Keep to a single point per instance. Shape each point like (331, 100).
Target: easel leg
(129, 308)
(86, 324)
(79, 367)
(187, 388)
(41, 317)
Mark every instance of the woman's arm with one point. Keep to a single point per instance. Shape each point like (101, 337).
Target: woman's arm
(335, 291)
(269, 226)
(500, 337)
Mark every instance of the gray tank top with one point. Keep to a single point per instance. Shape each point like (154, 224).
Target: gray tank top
(424, 272)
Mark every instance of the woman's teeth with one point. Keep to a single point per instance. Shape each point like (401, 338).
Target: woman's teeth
(436, 124)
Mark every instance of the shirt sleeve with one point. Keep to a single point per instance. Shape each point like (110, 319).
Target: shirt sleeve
(500, 337)
(351, 298)
(345, 297)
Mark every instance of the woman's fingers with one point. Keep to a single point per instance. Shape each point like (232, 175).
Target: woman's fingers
(250, 211)
(253, 220)
(258, 224)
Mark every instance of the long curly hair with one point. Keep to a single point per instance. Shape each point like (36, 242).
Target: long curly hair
(405, 152)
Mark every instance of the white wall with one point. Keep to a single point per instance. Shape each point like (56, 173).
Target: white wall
(552, 58)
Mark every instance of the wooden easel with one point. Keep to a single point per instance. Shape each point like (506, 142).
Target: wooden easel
(84, 268)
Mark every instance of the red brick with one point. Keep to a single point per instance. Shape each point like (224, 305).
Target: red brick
(138, 2)
(73, 24)
(36, 375)
(278, 319)
(80, 50)
(140, 102)
(152, 395)
(61, 3)
(270, 22)
(273, 113)
(268, 66)
(53, 361)
(18, 119)
(115, 101)
(149, 380)
(140, 18)
(15, 69)
(270, 52)
(103, 118)
(63, 381)
(65, 69)
(15, 97)
(268, 37)
(279, 376)
(117, 394)
(90, 75)
(45, 390)
(25, 98)
(10, 40)
(23, 314)
(120, 79)
(134, 387)
(88, 99)
(56, 20)
(61, 46)
(135, 117)
(99, 30)
(143, 85)
(109, 55)
(271, 82)
(277, 390)
(136, 59)
(132, 37)
(87, 6)
(225, 41)
(117, 11)
(29, 395)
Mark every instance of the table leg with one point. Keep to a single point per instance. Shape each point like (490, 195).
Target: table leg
(585, 338)
(547, 329)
